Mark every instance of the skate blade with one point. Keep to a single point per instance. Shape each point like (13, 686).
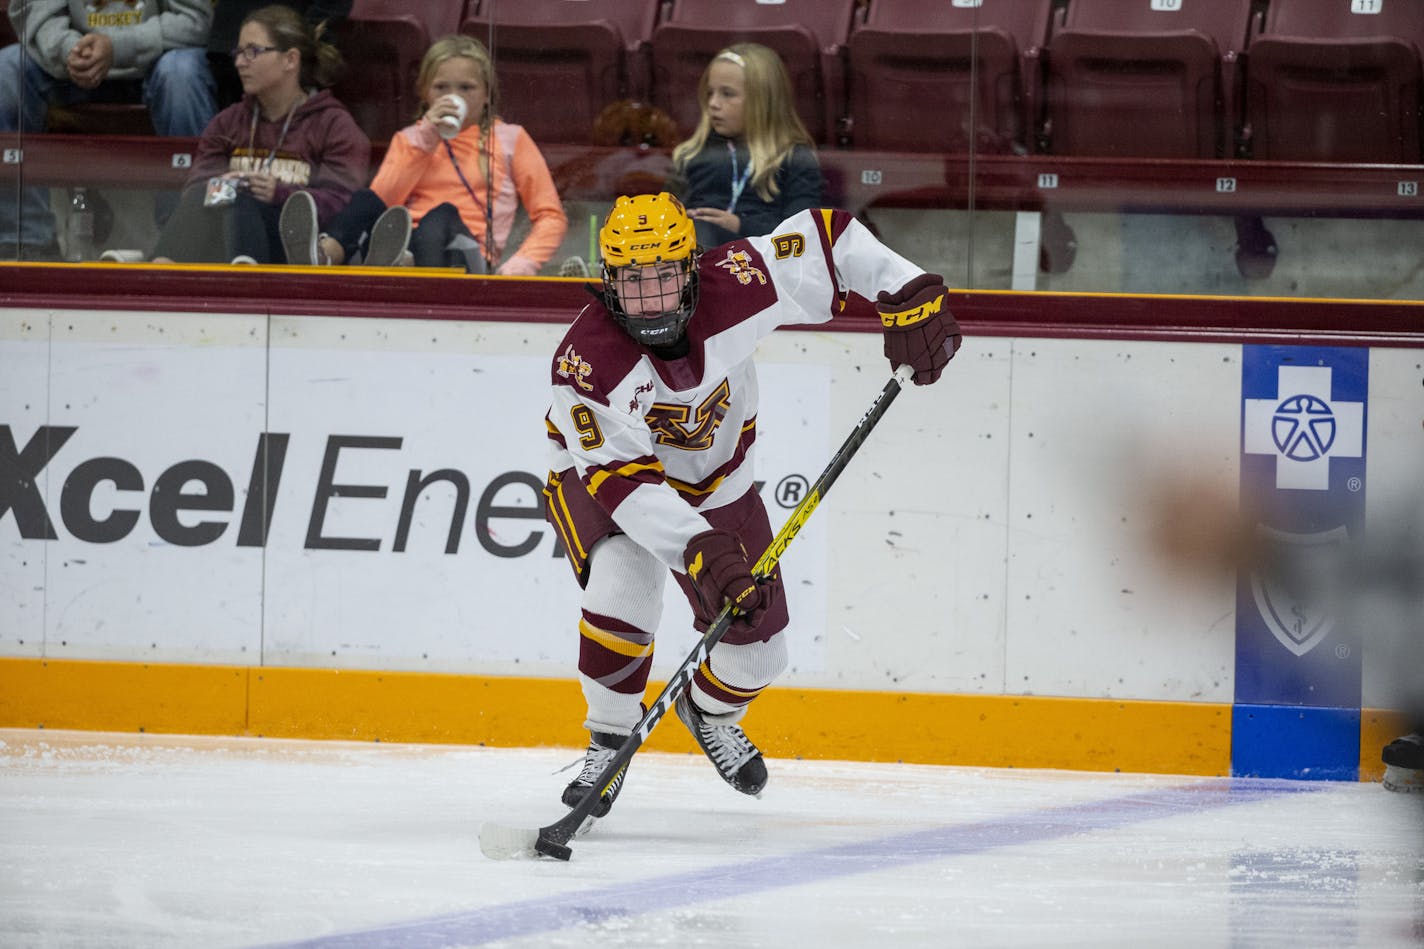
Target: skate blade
(1404, 780)
(499, 842)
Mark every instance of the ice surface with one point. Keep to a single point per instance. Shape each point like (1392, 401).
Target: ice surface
(162, 841)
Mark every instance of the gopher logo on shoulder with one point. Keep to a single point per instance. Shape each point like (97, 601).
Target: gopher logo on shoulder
(739, 265)
(788, 245)
(572, 366)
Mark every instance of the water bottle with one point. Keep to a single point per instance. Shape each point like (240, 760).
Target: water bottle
(81, 226)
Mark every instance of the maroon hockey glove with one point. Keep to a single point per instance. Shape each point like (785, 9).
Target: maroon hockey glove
(919, 330)
(719, 570)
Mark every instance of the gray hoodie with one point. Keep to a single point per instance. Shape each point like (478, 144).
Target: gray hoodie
(141, 30)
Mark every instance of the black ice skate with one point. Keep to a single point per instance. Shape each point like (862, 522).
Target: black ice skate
(1404, 763)
(728, 748)
(601, 748)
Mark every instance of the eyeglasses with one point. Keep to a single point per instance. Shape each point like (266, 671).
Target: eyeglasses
(251, 51)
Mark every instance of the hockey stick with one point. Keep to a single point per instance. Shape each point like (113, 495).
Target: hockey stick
(500, 842)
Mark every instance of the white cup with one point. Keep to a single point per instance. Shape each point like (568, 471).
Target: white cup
(449, 126)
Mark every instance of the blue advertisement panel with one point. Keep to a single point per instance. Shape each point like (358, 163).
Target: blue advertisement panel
(1303, 473)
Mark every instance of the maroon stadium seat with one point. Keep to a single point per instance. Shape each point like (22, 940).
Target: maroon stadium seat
(810, 36)
(383, 42)
(910, 75)
(1326, 83)
(1142, 78)
(560, 62)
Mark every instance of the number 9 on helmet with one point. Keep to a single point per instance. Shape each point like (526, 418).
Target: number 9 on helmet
(650, 256)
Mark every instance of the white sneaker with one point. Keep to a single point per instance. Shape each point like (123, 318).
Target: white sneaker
(122, 256)
(297, 225)
(245, 260)
(390, 236)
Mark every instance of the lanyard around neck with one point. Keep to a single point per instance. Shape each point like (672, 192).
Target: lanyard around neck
(739, 184)
(281, 136)
(487, 247)
(450, 150)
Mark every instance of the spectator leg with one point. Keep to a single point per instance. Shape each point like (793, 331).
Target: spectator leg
(351, 227)
(26, 222)
(443, 240)
(194, 234)
(254, 231)
(181, 97)
(179, 93)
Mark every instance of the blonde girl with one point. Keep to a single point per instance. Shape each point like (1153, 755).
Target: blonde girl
(750, 164)
(463, 191)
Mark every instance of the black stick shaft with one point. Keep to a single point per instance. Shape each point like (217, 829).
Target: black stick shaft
(559, 832)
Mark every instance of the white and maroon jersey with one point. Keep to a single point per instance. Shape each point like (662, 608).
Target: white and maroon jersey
(655, 440)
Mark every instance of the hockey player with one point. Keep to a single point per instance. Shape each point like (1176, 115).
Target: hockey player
(652, 428)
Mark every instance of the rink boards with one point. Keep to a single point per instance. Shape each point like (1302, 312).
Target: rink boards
(329, 527)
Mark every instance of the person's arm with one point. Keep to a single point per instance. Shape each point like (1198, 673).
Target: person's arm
(179, 24)
(548, 222)
(340, 168)
(216, 144)
(410, 153)
(800, 189)
(802, 185)
(48, 33)
(816, 257)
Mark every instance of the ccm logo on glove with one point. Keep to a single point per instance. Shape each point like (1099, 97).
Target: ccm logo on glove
(920, 332)
(910, 317)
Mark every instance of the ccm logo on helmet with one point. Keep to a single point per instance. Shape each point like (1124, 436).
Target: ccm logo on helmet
(634, 247)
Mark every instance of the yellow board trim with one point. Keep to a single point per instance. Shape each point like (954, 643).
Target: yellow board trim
(968, 730)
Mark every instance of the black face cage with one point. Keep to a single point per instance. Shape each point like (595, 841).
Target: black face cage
(661, 330)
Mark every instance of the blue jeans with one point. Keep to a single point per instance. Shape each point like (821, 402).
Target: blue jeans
(178, 92)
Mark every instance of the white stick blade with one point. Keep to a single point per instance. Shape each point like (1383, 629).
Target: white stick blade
(508, 843)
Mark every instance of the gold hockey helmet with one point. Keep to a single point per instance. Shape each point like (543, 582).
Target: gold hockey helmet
(646, 230)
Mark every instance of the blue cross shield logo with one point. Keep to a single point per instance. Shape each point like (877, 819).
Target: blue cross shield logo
(1303, 428)
(1295, 594)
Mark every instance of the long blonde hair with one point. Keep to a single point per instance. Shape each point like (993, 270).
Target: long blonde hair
(772, 127)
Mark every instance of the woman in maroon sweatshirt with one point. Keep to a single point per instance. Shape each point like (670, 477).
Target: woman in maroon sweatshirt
(287, 134)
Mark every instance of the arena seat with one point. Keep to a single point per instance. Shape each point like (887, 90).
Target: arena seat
(1331, 80)
(383, 42)
(1137, 78)
(911, 69)
(809, 35)
(561, 62)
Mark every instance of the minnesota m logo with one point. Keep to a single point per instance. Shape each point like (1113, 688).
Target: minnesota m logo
(670, 422)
